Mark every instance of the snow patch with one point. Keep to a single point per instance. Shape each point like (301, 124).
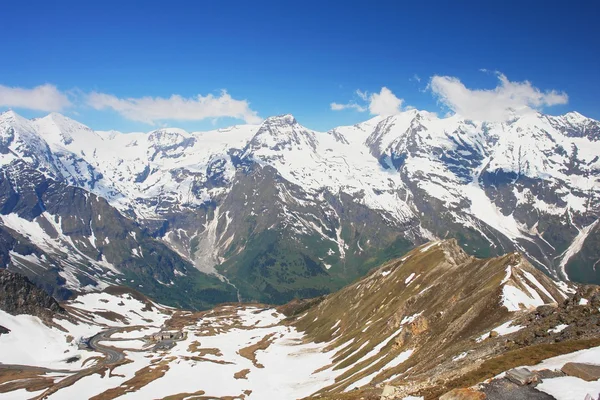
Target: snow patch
(558, 328)
(502, 330)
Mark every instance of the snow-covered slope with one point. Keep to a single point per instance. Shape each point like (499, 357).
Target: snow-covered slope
(59, 344)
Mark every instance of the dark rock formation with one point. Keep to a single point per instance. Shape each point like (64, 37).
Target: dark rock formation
(19, 296)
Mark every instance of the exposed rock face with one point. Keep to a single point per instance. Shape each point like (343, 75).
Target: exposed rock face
(520, 376)
(577, 317)
(506, 389)
(388, 393)
(419, 326)
(19, 296)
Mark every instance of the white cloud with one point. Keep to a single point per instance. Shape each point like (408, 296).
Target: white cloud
(507, 100)
(383, 103)
(338, 107)
(154, 109)
(41, 98)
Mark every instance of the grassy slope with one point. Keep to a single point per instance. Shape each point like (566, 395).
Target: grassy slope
(275, 269)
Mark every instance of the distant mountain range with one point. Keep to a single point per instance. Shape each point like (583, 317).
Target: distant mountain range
(276, 211)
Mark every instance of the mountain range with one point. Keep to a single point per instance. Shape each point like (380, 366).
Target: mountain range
(276, 211)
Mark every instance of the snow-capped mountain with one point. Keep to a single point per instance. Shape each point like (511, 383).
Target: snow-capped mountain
(68, 240)
(280, 211)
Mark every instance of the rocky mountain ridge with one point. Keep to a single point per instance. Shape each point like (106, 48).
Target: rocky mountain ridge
(436, 297)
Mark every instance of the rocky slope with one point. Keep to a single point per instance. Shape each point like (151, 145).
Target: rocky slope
(19, 296)
(282, 211)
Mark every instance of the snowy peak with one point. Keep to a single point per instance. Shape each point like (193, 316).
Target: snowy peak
(168, 136)
(501, 186)
(20, 141)
(10, 119)
(573, 124)
(61, 121)
(281, 133)
(575, 116)
(57, 129)
(280, 120)
(396, 133)
(9, 115)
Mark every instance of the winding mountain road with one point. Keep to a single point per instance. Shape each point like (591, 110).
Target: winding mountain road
(112, 354)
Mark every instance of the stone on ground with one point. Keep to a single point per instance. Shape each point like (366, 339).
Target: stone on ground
(520, 376)
(587, 372)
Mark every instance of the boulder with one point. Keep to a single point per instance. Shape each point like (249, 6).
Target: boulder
(548, 374)
(464, 394)
(402, 339)
(521, 376)
(587, 372)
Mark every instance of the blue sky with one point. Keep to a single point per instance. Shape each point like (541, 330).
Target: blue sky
(101, 59)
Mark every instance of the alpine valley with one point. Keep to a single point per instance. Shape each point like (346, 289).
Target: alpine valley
(275, 212)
